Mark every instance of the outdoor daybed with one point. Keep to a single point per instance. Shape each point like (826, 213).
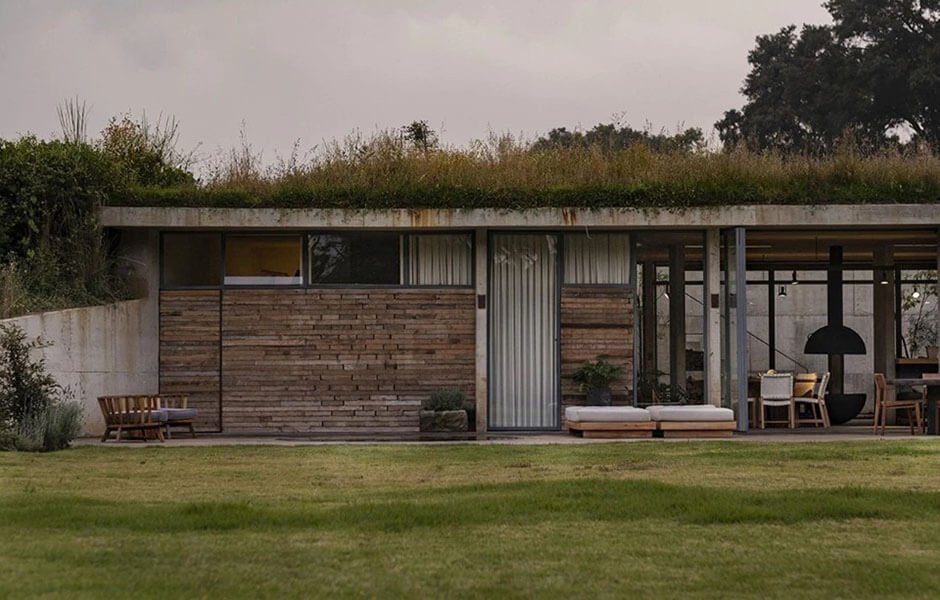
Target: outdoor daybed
(671, 421)
(609, 421)
(698, 420)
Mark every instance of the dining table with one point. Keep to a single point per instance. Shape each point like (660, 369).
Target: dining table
(933, 396)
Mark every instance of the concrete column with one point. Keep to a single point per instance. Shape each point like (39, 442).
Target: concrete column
(712, 317)
(677, 315)
(481, 277)
(883, 313)
(648, 317)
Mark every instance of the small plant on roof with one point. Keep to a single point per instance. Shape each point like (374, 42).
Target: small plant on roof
(595, 377)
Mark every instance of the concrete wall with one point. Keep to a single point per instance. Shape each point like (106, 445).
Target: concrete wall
(96, 351)
(110, 349)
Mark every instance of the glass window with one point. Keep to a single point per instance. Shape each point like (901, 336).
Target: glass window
(918, 318)
(597, 258)
(262, 260)
(355, 258)
(438, 259)
(192, 259)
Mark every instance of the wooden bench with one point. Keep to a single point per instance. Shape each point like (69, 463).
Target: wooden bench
(139, 413)
(178, 412)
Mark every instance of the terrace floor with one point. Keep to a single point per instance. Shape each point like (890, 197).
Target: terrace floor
(838, 433)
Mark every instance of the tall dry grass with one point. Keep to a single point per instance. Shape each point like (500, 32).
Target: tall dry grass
(384, 170)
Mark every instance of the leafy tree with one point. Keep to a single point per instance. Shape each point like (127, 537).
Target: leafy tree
(421, 136)
(610, 138)
(870, 73)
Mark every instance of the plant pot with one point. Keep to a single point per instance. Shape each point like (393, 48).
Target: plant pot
(443, 420)
(598, 396)
(932, 352)
(844, 407)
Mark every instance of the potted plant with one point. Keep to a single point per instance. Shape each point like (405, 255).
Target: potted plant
(594, 378)
(445, 410)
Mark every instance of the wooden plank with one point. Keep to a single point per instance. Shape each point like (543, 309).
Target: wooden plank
(696, 425)
(695, 434)
(617, 434)
(611, 426)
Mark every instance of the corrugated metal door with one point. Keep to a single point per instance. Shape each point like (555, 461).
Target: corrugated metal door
(523, 332)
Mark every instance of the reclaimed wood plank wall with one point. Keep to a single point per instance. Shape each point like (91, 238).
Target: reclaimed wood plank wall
(321, 360)
(190, 343)
(596, 321)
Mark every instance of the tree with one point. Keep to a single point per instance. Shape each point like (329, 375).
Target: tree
(874, 71)
(610, 138)
(421, 136)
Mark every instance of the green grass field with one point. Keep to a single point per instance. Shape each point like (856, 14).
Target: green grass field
(711, 520)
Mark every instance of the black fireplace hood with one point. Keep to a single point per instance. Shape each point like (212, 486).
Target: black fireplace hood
(835, 339)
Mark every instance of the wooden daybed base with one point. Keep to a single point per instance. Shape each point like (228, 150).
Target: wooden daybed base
(589, 429)
(696, 429)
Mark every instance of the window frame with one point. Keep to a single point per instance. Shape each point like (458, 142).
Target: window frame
(265, 286)
(162, 259)
(403, 254)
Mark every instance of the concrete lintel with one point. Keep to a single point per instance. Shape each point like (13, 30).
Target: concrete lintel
(848, 215)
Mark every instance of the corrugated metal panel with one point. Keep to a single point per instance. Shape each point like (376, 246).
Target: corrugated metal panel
(523, 324)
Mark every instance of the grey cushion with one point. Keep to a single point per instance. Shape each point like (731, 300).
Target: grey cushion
(134, 417)
(698, 412)
(606, 414)
(180, 414)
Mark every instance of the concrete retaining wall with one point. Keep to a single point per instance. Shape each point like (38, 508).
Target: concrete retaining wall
(97, 350)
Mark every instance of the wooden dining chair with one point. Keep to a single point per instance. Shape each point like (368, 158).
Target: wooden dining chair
(882, 404)
(776, 390)
(936, 415)
(816, 401)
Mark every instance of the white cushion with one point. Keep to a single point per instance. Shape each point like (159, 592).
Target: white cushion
(606, 414)
(698, 412)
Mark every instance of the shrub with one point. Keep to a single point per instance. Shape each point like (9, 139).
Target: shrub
(7, 438)
(36, 413)
(50, 429)
(446, 400)
(26, 388)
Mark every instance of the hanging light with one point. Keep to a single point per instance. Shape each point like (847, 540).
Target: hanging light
(884, 277)
(915, 294)
(782, 293)
(794, 280)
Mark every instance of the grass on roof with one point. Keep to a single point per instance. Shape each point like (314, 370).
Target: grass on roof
(384, 173)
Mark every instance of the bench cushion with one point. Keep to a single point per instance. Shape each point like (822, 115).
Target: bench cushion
(133, 417)
(606, 414)
(691, 413)
(180, 414)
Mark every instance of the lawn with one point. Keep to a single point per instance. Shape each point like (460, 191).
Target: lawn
(690, 520)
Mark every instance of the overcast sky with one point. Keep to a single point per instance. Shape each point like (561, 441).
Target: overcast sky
(317, 70)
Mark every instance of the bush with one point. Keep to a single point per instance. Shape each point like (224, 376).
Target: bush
(446, 400)
(50, 429)
(26, 388)
(7, 438)
(36, 413)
